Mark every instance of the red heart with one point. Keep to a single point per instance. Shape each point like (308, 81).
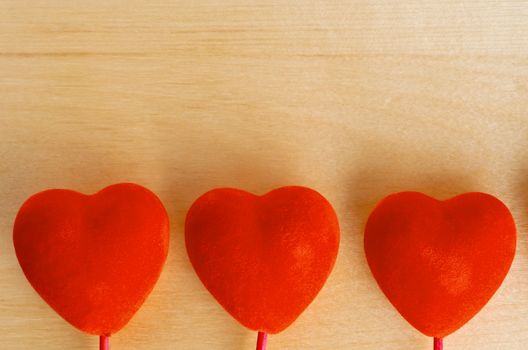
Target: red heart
(264, 258)
(94, 259)
(439, 262)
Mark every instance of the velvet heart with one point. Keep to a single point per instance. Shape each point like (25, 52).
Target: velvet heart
(93, 258)
(439, 262)
(264, 258)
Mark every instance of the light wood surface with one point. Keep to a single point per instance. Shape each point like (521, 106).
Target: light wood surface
(356, 99)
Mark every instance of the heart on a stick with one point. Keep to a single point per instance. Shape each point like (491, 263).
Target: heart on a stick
(264, 258)
(93, 258)
(439, 262)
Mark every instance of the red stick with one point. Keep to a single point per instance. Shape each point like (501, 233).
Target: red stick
(104, 342)
(262, 339)
(438, 344)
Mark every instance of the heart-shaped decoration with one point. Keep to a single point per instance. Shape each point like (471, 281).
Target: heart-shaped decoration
(439, 262)
(93, 258)
(264, 258)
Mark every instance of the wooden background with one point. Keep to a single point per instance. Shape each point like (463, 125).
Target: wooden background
(356, 99)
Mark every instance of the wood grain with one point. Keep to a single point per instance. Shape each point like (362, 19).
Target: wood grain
(356, 99)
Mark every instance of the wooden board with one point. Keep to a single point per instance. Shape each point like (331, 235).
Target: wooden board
(355, 99)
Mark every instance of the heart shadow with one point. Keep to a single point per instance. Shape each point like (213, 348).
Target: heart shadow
(373, 181)
(231, 167)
